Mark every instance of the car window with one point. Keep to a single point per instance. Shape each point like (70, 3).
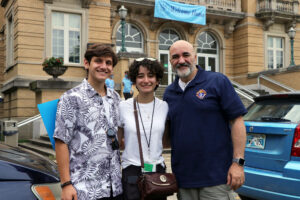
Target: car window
(274, 111)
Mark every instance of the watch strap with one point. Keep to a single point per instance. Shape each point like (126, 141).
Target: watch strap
(66, 183)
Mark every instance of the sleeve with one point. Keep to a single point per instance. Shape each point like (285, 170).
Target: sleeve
(230, 101)
(65, 120)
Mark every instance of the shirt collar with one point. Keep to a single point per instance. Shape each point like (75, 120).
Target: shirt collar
(200, 77)
(182, 84)
(91, 92)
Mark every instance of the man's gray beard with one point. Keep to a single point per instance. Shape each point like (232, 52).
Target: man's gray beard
(184, 74)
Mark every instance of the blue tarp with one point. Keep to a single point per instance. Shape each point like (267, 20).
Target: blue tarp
(180, 12)
(48, 113)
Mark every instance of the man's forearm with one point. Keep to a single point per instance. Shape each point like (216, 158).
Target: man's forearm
(238, 135)
(63, 160)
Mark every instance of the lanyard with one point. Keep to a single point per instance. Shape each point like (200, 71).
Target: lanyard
(148, 141)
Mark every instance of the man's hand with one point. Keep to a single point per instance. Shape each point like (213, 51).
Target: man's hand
(235, 176)
(69, 193)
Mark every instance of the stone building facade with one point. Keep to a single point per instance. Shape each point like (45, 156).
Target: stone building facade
(242, 39)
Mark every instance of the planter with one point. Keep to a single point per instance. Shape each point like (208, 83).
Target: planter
(55, 71)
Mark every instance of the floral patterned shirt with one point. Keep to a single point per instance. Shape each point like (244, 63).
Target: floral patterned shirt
(82, 119)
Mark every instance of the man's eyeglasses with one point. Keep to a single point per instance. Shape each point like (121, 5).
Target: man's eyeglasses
(141, 59)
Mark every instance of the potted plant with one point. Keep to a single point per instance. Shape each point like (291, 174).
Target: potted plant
(54, 67)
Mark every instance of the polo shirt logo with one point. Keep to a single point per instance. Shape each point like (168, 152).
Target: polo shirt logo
(201, 94)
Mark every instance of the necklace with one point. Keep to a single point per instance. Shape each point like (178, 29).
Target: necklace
(146, 113)
(148, 141)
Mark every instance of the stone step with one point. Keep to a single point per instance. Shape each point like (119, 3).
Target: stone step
(45, 137)
(42, 143)
(49, 152)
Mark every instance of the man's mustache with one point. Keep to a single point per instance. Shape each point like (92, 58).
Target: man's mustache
(183, 65)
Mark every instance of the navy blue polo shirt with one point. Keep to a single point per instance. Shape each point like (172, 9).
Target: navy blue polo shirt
(200, 130)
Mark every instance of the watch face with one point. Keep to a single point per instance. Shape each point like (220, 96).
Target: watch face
(241, 162)
(111, 132)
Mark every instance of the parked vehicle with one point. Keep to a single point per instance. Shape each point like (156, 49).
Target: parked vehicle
(272, 153)
(27, 176)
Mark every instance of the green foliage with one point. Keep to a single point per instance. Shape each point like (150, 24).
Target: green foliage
(53, 62)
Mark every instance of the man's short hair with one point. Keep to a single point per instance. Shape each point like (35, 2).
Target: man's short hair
(100, 50)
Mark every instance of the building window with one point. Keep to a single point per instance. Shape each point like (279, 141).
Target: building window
(275, 52)
(66, 36)
(10, 41)
(207, 52)
(167, 38)
(133, 39)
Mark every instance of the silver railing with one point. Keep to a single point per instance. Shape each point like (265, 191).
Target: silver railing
(273, 82)
(243, 94)
(28, 120)
(243, 88)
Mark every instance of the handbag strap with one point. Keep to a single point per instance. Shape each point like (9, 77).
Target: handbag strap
(138, 132)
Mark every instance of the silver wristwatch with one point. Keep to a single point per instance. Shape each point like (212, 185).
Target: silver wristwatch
(239, 161)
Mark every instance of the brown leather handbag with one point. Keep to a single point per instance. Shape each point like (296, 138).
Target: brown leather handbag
(153, 185)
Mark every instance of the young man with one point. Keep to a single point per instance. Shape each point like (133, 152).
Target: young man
(207, 130)
(127, 86)
(86, 121)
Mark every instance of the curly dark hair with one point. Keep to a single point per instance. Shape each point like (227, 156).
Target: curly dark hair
(154, 66)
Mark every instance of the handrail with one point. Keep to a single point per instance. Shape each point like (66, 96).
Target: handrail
(244, 88)
(28, 120)
(274, 82)
(245, 95)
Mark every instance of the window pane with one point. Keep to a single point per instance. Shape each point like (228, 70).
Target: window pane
(270, 42)
(211, 64)
(74, 21)
(133, 30)
(58, 43)
(57, 19)
(201, 62)
(279, 43)
(270, 59)
(279, 59)
(74, 46)
(173, 35)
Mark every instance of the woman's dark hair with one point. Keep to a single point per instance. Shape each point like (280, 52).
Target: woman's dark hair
(99, 50)
(154, 67)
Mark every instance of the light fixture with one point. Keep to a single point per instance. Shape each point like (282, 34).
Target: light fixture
(291, 34)
(123, 13)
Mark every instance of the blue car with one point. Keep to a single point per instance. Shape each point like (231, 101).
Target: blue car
(24, 175)
(272, 152)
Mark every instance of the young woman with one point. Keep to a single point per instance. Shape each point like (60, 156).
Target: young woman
(145, 74)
